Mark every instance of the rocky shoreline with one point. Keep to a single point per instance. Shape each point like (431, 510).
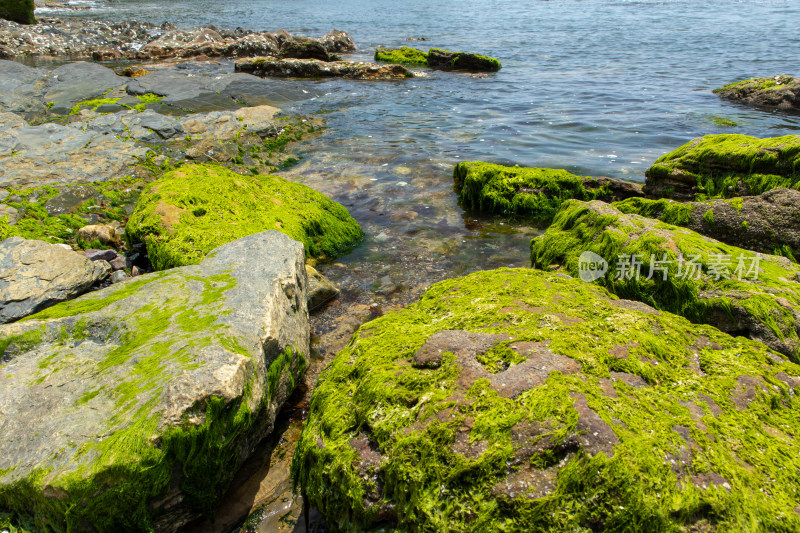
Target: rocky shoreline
(156, 285)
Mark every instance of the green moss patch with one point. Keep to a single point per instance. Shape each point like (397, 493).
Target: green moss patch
(404, 55)
(723, 166)
(196, 208)
(20, 11)
(531, 193)
(691, 275)
(620, 419)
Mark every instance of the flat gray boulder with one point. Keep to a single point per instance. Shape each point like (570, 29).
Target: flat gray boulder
(36, 274)
(130, 409)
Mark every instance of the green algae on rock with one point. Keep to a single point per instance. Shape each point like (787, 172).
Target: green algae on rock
(767, 223)
(130, 409)
(532, 193)
(678, 270)
(776, 92)
(19, 11)
(610, 416)
(448, 60)
(438, 59)
(402, 55)
(725, 166)
(195, 208)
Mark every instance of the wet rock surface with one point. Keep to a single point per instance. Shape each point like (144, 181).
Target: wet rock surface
(589, 371)
(244, 322)
(776, 92)
(36, 274)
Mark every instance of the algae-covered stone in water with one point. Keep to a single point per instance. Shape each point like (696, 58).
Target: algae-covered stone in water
(725, 166)
(678, 270)
(192, 210)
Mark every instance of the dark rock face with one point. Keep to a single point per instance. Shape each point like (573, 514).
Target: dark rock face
(339, 41)
(131, 408)
(768, 223)
(777, 92)
(107, 41)
(36, 274)
(447, 60)
(306, 48)
(313, 68)
(414, 425)
(19, 11)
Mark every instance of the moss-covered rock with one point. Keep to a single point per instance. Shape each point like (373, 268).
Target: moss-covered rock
(776, 92)
(517, 400)
(130, 408)
(192, 210)
(531, 193)
(438, 59)
(724, 166)
(448, 60)
(20, 11)
(680, 271)
(403, 55)
(768, 223)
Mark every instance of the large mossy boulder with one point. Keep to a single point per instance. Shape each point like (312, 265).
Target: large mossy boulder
(725, 166)
(767, 223)
(19, 11)
(518, 400)
(677, 270)
(130, 409)
(776, 92)
(531, 193)
(192, 210)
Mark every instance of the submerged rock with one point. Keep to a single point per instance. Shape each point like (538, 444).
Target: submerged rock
(777, 92)
(505, 398)
(192, 210)
(533, 193)
(131, 408)
(321, 290)
(724, 166)
(313, 68)
(677, 270)
(36, 274)
(767, 223)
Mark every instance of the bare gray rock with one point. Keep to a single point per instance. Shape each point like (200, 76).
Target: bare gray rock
(151, 392)
(36, 274)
